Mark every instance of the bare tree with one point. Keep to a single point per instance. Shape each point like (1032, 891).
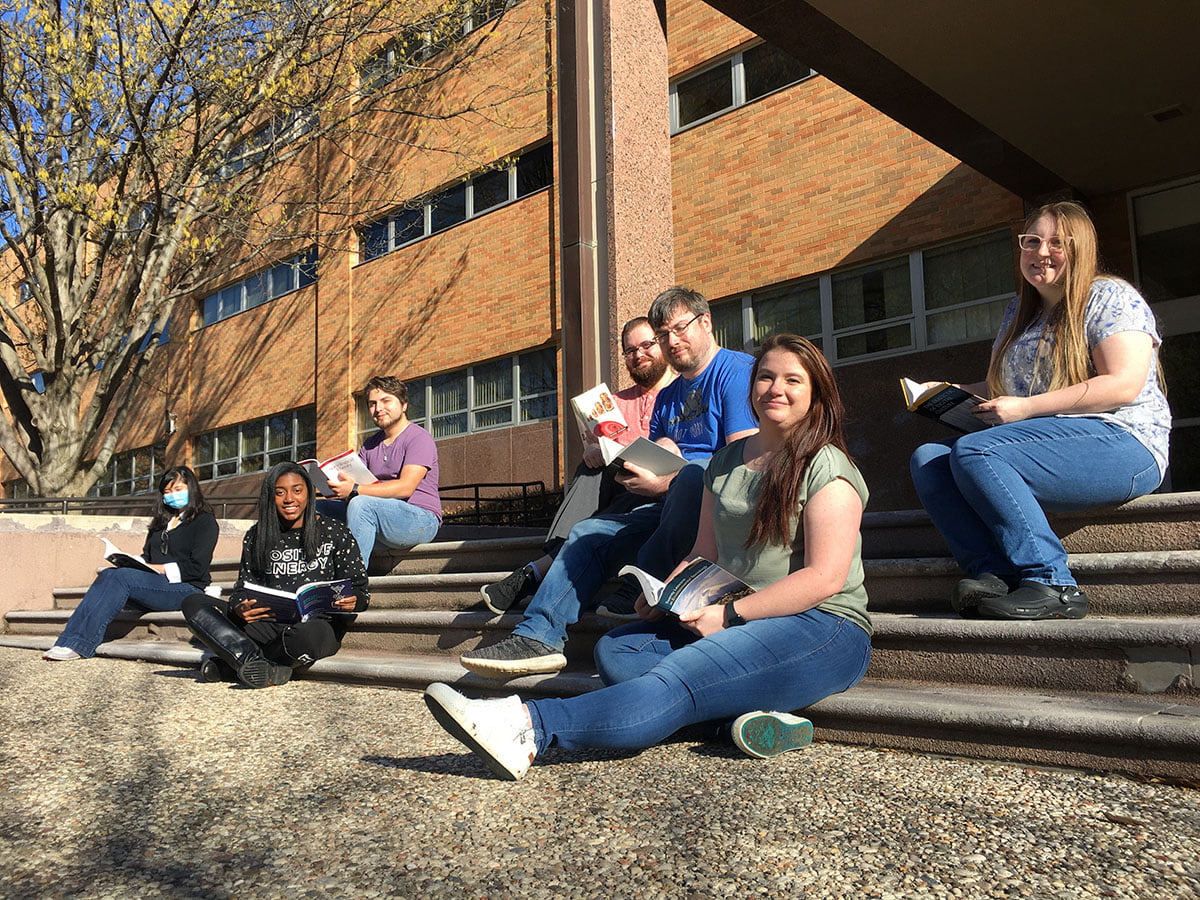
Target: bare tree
(141, 140)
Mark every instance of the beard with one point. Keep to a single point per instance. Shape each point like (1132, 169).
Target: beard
(648, 375)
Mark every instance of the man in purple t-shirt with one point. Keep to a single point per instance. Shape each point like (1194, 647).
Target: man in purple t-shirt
(402, 508)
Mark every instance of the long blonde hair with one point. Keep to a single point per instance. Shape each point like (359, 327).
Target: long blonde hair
(1070, 359)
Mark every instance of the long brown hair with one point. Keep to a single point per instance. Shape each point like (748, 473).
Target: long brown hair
(779, 494)
(1070, 360)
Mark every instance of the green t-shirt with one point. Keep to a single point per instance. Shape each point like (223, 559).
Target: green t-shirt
(735, 490)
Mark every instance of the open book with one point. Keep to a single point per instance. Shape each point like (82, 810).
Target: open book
(308, 600)
(348, 464)
(600, 421)
(701, 583)
(944, 402)
(123, 560)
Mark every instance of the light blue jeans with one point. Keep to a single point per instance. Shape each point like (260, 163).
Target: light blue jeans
(661, 677)
(987, 492)
(109, 593)
(392, 522)
(655, 537)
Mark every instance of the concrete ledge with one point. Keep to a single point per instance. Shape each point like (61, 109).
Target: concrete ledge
(1145, 736)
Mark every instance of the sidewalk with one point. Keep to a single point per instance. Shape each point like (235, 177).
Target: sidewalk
(130, 780)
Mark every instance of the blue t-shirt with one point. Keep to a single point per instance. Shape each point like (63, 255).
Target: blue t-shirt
(700, 413)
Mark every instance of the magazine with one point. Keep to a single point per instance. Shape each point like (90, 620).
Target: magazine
(307, 601)
(701, 583)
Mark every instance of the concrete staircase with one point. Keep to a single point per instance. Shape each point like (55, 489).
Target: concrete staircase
(1117, 691)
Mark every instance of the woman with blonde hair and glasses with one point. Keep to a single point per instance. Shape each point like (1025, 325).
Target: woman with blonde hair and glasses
(1079, 420)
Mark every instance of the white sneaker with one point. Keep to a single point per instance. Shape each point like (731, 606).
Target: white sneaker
(766, 734)
(497, 731)
(60, 654)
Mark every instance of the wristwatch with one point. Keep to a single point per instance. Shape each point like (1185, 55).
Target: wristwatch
(731, 616)
(353, 491)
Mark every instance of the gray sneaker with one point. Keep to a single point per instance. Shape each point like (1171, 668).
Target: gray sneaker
(506, 593)
(513, 656)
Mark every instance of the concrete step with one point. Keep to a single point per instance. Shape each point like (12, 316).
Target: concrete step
(1144, 736)
(1117, 584)
(1146, 655)
(1156, 522)
(1143, 583)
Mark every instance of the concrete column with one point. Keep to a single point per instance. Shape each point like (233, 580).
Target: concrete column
(614, 183)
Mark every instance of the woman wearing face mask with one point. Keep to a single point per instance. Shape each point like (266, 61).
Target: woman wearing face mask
(179, 547)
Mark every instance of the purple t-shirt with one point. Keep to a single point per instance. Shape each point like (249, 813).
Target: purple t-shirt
(414, 446)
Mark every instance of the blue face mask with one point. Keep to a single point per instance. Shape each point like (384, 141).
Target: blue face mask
(176, 499)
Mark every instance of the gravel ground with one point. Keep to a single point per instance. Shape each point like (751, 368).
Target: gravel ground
(126, 779)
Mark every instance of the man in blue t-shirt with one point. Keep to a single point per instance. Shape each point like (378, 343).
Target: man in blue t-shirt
(697, 414)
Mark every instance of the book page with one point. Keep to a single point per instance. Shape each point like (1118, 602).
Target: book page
(350, 466)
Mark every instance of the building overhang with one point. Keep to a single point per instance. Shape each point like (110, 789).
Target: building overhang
(1075, 96)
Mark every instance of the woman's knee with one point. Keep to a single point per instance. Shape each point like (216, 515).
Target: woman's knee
(194, 602)
(930, 464)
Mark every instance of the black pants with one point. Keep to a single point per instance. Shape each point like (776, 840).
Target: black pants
(298, 645)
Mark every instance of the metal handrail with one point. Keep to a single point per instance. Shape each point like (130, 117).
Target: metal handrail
(484, 503)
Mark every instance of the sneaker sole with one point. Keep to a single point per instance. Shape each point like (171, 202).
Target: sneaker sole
(496, 608)
(256, 673)
(767, 734)
(511, 668)
(1031, 614)
(438, 701)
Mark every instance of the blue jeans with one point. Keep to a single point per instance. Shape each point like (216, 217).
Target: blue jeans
(107, 596)
(783, 663)
(392, 522)
(987, 492)
(655, 536)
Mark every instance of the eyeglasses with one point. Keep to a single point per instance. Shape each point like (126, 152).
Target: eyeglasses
(644, 346)
(679, 330)
(1033, 242)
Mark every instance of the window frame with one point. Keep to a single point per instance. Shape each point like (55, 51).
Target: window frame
(209, 469)
(917, 319)
(429, 203)
(737, 74)
(515, 402)
(305, 271)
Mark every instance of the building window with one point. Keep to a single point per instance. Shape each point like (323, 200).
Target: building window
(269, 139)
(290, 275)
(733, 82)
(480, 12)
(412, 48)
(24, 292)
(532, 171)
(497, 394)
(256, 445)
(131, 472)
(945, 295)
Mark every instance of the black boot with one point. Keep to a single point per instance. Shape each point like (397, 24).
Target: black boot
(232, 646)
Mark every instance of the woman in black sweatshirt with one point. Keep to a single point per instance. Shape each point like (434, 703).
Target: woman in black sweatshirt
(288, 547)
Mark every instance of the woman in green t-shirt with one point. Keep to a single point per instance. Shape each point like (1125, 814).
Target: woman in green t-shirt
(781, 511)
